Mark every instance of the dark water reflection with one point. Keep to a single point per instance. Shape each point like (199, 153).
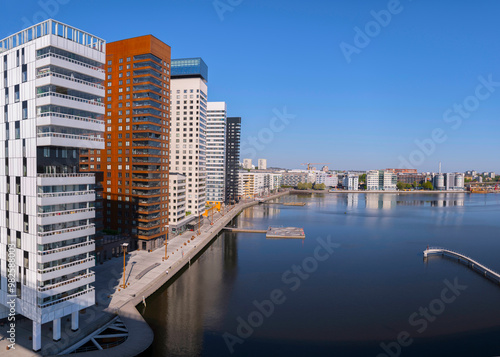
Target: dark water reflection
(361, 296)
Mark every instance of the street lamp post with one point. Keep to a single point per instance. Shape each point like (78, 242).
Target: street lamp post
(124, 246)
(165, 244)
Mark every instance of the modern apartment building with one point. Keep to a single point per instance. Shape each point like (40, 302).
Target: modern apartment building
(216, 152)
(233, 133)
(262, 164)
(330, 180)
(247, 164)
(293, 178)
(135, 160)
(179, 219)
(258, 183)
(381, 180)
(350, 182)
(189, 128)
(51, 97)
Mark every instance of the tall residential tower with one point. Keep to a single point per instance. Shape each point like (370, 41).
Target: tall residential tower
(189, 129)
(135, 161)
(216, 152)
(51, 98)
(233, 133)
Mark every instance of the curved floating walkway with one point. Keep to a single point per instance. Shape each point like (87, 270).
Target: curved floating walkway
(471, 263)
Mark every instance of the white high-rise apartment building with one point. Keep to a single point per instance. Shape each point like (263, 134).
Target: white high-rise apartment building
(51, 104)
(247, 164)
(216, 151)
(188, 128)
(262, 164)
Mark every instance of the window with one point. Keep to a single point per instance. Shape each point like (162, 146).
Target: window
(16, 93)
(25, 109)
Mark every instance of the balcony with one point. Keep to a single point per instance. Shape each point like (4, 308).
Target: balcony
(146, 160)
(146, 192)
(71, 121)
(65, 234)
(67, 285)
(90, 292)
(149, 201)
(152, 184)
(63, 252)
(146, 176)
(65, 216)
(148, 225)
(66, 269)
(78, 141)
(47, 199)
(65, 179)
(148, 217)
(155, 144)
(146, 168)
(69, 78)
(148, 234)
(148, 210)
(70, 60)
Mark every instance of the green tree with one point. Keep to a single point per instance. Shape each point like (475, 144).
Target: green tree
(400, 185)
(319, 186)
(362, 178)
(309, 186)
(428, 185)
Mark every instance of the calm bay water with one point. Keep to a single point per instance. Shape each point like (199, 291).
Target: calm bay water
(367, 292)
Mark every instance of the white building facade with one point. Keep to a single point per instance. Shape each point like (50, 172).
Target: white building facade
(216, 151)
(51, 96)
(262, 164)
(380, 180)
(247, 164)
(251, 184)
(189, 128)
(350, 182)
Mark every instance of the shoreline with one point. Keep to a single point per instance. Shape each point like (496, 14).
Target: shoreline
(378, 192)
(140, 334)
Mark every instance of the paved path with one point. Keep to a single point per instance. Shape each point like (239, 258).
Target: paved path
(112, 300)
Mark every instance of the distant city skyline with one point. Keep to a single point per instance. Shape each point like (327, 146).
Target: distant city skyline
(412, 73)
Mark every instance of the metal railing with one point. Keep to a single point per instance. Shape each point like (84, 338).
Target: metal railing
(49, 287)
(65, 175)
(76, 80)
(67, 298)
(70, 60)
(63, 213)
(66, 230)
(70, 97)
(73, 117)
(68, 247)
(61, 194)
(70, 136)
(69, 265)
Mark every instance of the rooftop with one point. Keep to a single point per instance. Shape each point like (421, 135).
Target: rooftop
(52, 27)
(189, 68)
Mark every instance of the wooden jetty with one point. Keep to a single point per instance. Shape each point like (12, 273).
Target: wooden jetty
(273, 232)
(294, 204)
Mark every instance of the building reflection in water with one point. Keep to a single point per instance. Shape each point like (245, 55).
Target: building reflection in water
(195, 301)
(352, 200)
(389, 201)
(381, 200)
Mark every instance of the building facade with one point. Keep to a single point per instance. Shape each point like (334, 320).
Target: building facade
(179, 218)
(292, 178)
(247, 164)
(262, 164)
(51, 95)
(350, 182)
(233, 134)
(329, 180)
(189, 128)
(216, 152)
(135, 161)
(253, 184)
(380, 180)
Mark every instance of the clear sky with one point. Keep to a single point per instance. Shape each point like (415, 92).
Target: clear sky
(357, 99)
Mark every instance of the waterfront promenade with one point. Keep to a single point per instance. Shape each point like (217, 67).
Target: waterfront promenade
(145, 273)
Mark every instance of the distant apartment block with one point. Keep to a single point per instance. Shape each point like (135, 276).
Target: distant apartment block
(233, 133)
(329, 180)
(449, 182)
(258, 183)
(51, 95)
(262, 164)
(380, 180)
(350, 182)
(216, 152)
(402, 171)
(293, 178)
(410, 178)
(247, 164)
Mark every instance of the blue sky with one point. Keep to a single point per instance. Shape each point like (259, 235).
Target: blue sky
(268, 55)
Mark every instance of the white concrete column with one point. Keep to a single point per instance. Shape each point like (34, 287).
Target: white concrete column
(37, 336)
(74, 320)
(56, 328)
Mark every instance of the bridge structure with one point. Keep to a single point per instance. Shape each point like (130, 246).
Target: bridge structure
(471, 263)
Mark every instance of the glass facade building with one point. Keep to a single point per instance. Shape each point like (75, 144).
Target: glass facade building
(187, 67)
